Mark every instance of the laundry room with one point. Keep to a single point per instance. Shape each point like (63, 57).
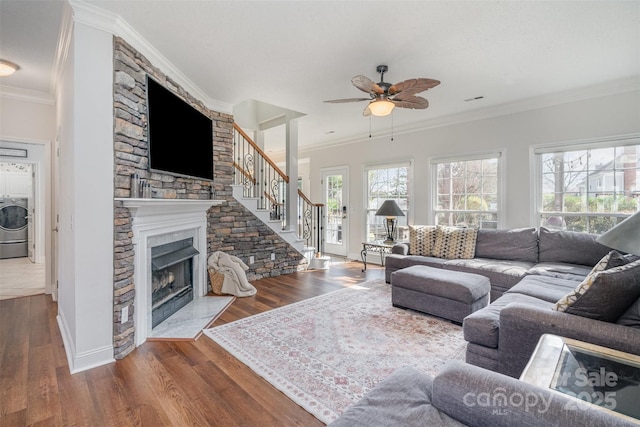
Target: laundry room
(21, 230)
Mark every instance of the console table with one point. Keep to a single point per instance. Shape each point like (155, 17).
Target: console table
(379, 246)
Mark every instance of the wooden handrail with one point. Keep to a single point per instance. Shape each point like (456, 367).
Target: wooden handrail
(244, 172)
(262, 153)
(306, 199)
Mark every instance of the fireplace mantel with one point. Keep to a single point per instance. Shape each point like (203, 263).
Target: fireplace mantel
(151, 207)
(177, 219)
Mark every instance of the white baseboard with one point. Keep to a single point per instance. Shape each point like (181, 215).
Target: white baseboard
(79, 362)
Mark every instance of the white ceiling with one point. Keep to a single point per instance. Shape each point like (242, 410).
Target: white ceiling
(295, 54)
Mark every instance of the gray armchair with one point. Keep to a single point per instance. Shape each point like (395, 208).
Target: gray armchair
(466, 395)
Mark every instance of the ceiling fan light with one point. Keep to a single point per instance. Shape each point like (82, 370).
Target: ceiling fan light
(7, 68)
(381, 107)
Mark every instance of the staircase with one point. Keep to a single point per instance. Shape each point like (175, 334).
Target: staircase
(260, 186)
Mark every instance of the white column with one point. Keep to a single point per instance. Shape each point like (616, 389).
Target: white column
(292, 173)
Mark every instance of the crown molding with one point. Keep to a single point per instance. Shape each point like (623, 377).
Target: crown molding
(103, 20)
(10, 92)
(614, 87)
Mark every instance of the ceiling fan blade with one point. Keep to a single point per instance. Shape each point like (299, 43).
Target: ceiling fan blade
(413, 102)
(340, 101)
(367, 111)
(413, 86)
(367, 85)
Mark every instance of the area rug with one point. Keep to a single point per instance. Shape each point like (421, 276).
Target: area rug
(326, 352)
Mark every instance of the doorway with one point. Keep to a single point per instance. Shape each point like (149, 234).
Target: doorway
(20, 273)
(335, 184)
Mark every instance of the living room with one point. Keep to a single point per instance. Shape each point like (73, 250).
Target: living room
(601, 113)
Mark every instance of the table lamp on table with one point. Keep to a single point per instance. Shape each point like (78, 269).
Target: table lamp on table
(625, 236)
(390, 210)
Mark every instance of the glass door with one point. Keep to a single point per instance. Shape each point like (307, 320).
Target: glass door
(336, 202)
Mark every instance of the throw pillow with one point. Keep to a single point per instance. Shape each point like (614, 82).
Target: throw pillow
(455, 242)
(604, 294)
(422, 239)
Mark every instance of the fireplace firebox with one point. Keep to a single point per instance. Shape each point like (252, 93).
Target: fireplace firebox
(171, 278)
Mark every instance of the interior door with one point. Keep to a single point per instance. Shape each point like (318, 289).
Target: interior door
(336, 201)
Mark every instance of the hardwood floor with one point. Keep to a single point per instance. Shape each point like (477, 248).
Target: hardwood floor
(158, 384)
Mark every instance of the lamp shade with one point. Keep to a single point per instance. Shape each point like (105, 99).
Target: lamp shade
(389, 208)
(624, 236)
(381, 107)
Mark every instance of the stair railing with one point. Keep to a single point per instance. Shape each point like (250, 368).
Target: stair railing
(263, 180)
(310, 222)
(259, 176)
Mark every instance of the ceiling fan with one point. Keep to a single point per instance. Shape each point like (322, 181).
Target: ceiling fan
(384, 96)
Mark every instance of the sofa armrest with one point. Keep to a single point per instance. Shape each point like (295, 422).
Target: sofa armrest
(521, 326)
(400, 249)
(479, 397)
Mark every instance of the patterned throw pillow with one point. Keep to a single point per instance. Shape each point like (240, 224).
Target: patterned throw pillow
(455, 242)
(595, 287)
(422, 239)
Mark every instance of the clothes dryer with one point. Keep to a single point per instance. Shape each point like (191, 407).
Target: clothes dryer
(13, 228)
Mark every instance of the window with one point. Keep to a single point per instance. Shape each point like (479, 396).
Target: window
(386, 182)
(467, 191)
(588, 187)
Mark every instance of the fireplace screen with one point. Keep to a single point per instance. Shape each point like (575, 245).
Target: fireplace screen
(171, 278)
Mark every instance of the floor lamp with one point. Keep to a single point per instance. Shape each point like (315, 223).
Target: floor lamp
(390, 210)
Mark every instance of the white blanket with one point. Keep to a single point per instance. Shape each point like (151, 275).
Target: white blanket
(235, 280)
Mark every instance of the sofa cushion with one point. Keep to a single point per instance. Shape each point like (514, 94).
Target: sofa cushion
(482, 326)
(402, 399)
(422, 239)
(560, 270)
(604, 295)
(518, 244)
(631, 317)
(455, 242)
(569, 247)
(396, 262)
(546, 288)
(502, 274)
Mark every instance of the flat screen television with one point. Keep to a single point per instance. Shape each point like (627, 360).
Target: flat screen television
(180, 137)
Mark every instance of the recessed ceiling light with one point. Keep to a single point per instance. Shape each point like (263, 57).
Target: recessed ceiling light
(7, 68)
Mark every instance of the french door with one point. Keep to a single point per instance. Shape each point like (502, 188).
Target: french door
(336, 201)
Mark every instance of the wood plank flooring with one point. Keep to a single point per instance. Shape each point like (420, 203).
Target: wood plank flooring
(164, 383)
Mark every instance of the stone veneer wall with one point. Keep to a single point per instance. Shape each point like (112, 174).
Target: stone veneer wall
(230, 228)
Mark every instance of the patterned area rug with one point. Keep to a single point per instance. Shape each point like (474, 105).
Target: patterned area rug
(326, 352)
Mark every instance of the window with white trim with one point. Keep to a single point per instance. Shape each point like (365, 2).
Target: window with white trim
(588, 187)
(386, 182)
(467, 190)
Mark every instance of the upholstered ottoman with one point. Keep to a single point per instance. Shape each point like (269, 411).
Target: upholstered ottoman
(449, 294)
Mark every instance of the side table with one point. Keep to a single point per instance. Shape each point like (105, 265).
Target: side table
(589, 373)
(380, 246)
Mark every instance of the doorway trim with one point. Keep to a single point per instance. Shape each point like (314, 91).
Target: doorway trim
(42, 196)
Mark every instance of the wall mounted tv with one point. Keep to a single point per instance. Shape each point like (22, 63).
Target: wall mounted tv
(180, 137)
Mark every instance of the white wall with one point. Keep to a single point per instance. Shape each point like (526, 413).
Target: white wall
(85, 308)
(514, 134)
(31, 125)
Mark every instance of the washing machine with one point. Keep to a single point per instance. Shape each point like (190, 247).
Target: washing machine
(13, 228)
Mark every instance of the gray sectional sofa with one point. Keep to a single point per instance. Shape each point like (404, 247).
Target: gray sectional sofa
(465, 395)
(529, 270)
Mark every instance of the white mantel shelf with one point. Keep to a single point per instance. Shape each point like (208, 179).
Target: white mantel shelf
(151, 207)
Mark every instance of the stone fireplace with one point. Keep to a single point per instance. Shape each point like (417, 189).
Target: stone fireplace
(170, 256)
